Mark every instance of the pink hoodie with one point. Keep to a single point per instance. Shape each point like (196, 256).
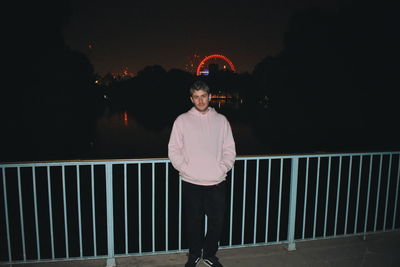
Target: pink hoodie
(201, 147)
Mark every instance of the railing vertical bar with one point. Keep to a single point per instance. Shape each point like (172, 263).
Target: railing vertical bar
(397, 195)
(180, 216)
(21, 213)
(348, 195)
(78, 189)
(37, 233)
(65, 213)
(126, 209)
(231, 209)
(358, 194)
(140, 205)
(267, 201)
(153, 211)
(256, 202)
(316, 197)
(110, 215)
(293, 203)
(93, 211)
(205, 224)
(50, 212)
(338, 194)
(387, 190)
(368, 194)
(244, 198)
(378, 192)
(305, 198)
(327, 194)
(6, 215)
(166, 205)
(279, 201)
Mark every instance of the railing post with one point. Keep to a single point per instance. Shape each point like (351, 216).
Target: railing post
(110, 216)
(292, 203)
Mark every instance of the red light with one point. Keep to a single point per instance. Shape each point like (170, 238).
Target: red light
(126, 118)
(215, 56)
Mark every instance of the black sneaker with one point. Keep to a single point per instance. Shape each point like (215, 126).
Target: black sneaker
(212, 261)
(192, 260)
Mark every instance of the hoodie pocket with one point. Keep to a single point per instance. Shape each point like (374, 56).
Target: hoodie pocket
(205, 168)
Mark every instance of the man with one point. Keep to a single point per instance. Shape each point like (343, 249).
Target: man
(202, 149)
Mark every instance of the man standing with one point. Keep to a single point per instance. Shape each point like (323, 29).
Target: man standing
(202, 149)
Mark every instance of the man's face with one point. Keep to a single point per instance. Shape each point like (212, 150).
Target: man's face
(200, 100)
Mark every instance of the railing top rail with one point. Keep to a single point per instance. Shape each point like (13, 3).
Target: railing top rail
(84, 162)
(164, 160)
(316, 154)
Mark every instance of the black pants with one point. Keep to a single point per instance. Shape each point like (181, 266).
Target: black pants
(199, 201)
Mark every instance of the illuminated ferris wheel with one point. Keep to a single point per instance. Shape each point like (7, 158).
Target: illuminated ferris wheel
(203, 67)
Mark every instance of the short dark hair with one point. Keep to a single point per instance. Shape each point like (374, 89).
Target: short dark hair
(199, 85)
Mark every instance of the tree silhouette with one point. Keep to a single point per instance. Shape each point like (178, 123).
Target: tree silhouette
(332, 86)
(51, 105)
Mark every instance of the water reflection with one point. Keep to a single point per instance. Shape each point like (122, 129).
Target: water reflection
(119, 135)
(224, 102)
(126, 118)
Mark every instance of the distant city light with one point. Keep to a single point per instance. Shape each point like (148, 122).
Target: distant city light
(192, 63)
(204, 72)
(123, 75)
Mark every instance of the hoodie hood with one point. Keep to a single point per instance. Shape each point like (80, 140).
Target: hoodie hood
(194, 111)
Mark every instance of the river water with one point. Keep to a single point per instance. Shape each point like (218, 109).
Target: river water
(121, 135)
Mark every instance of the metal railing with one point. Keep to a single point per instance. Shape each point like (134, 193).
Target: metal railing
(71, 210)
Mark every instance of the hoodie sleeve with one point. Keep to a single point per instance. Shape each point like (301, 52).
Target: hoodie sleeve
(228, 149)
(175, 147)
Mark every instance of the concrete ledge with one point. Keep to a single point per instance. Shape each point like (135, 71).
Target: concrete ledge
(376, 250)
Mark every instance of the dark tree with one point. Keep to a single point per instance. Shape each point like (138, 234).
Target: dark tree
(51, 103)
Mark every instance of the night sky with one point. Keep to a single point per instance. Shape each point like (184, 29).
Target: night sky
(136, 34)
